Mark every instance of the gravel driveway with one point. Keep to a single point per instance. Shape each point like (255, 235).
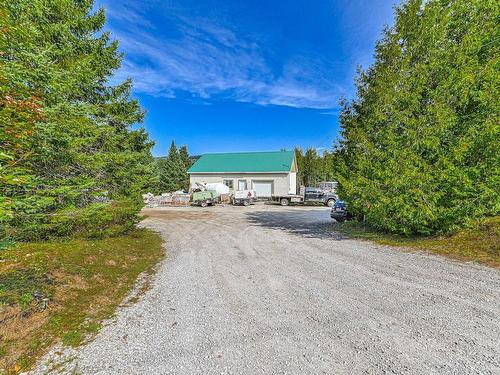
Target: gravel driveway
(272, 290)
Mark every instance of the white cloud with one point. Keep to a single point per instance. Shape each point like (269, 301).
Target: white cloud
(331, 113)
(207, 60)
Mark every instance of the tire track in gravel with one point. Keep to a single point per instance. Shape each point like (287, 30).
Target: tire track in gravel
(267, 290)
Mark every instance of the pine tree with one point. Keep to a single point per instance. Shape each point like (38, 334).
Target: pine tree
(173, 170)
(184, 155)
(186, 161)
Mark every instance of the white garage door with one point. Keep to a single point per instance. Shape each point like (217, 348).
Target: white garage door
(263, 188)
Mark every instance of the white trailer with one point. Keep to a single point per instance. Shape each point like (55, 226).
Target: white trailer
(244, 197)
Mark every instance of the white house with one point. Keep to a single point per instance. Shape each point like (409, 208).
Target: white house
(268, 173)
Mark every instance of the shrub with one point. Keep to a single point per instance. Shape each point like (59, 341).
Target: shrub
(93, 221)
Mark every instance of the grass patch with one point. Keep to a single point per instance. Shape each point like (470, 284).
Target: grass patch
(480, 243)
(62, 290)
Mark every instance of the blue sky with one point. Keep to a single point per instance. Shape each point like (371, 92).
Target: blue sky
(244, 75)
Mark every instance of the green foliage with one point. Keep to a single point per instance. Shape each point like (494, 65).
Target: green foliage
(172, 170)
(72, 338)
(93, 221)
(313, 168)
(65, 131)
(19, 286)
(420, 143)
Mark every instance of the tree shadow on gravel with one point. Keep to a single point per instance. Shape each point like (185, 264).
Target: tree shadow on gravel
(305, 223)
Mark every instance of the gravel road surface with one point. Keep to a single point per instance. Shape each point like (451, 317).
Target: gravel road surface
(272, 290)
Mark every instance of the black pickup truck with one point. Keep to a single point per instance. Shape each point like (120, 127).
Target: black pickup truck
(310, 195)
(313, 194)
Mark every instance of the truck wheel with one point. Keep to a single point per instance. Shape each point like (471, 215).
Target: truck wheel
(246, 203)
(204, 204)
(330, 202)
(284, 202)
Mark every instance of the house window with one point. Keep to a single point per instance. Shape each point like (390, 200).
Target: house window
(228, 183)
(242, 184)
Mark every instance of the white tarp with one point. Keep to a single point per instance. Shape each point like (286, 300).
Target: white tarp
(219, 187)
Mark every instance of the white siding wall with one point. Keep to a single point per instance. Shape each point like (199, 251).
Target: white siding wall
(293, 182)
(281, 181)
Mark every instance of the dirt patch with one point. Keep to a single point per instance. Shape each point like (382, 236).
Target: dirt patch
(163, 214)
(18, 326)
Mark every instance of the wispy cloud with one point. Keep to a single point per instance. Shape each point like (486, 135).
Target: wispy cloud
(334, 112)
(210, 61)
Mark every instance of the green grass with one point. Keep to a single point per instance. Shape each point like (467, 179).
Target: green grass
(480, 243)
(83, 282)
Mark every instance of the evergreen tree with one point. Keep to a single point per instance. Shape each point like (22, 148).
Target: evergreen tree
(186, 161)
(420, 142)
(313, 168)
(173, 170)
(184, 156)
(64, 130)
(326, 167)
(311, 164)
(173, 153)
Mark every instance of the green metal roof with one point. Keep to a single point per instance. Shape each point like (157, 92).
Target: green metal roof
(275, 161)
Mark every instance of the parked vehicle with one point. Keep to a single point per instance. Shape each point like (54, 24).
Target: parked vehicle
(205, 198)
(308, 195)
(339, 212)
(244, 197)
(328, 186)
